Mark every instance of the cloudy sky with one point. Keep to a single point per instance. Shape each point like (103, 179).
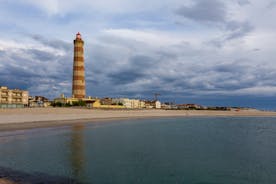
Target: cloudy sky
(211, 52)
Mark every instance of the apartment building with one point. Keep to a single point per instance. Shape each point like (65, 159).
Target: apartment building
(155, 104)
(13, 98)
(129, 103)
(38, 101)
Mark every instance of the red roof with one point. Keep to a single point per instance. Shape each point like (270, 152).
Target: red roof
(78, 35)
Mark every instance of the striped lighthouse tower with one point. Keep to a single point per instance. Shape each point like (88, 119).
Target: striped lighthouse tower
(78, 83)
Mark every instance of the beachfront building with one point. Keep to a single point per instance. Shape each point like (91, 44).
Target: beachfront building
(38, 101)
(168, 105)
(190, 107)
(13, 98)
(129, 103)
(103, 104)
(155, 104)
(67, 101)
(106, 101)
(142, 104)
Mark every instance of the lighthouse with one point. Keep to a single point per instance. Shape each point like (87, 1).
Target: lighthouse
(78, 82)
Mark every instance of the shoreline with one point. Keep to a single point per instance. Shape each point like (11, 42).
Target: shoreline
(30, 118)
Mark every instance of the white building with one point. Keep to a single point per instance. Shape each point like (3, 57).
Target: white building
(157, 104)
(153, 104)
(129, 103)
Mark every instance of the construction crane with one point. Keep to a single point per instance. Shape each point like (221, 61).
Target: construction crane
(156, 96)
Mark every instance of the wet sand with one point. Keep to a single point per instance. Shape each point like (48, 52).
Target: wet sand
(13, 119)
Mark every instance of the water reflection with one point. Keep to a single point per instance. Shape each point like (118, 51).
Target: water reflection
(12, 176)
(77, 157)
(15, 136)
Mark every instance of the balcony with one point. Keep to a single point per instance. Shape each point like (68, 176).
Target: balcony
(16, 96)
(4, 100)
(17, 101)
(4, 94)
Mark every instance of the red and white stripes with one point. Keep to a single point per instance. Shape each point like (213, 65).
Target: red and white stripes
(78, 83)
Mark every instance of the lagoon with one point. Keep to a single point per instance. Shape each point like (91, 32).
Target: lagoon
(205, 150)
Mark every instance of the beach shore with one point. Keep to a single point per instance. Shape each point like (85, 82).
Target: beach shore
(13, 119)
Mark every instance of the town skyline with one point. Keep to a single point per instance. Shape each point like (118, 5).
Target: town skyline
(206, 52)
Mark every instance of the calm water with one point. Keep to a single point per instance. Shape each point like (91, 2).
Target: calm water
(182, 150)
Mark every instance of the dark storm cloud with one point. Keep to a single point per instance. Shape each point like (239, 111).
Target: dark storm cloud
(204, 11)
(235, 76)
(14, 82)
(230, 68)
(58, 44)
(135, 70)
(125, 77)
(20, 72)
(17, 77)
(239, 29)
(183, 78)
(140, 62)
(200, 79)
(216, 12)
(101, 61)
(174, 71)
(134, 54)
(233, 30)
(39, 71)
(41, 55)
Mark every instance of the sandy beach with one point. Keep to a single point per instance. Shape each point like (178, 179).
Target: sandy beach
(12, 119)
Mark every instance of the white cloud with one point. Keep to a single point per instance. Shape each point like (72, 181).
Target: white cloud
(61, 7)
(52, 7)
(150, 37)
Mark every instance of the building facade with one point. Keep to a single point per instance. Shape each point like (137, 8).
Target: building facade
(190, 107)
(129, 103)
(38, 101)
(64, 101)
(155, 104)
(13, 98)
(78, 82)
(106, 101)
(98, 104)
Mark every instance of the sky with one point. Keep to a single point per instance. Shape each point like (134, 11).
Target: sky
(209, 52)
